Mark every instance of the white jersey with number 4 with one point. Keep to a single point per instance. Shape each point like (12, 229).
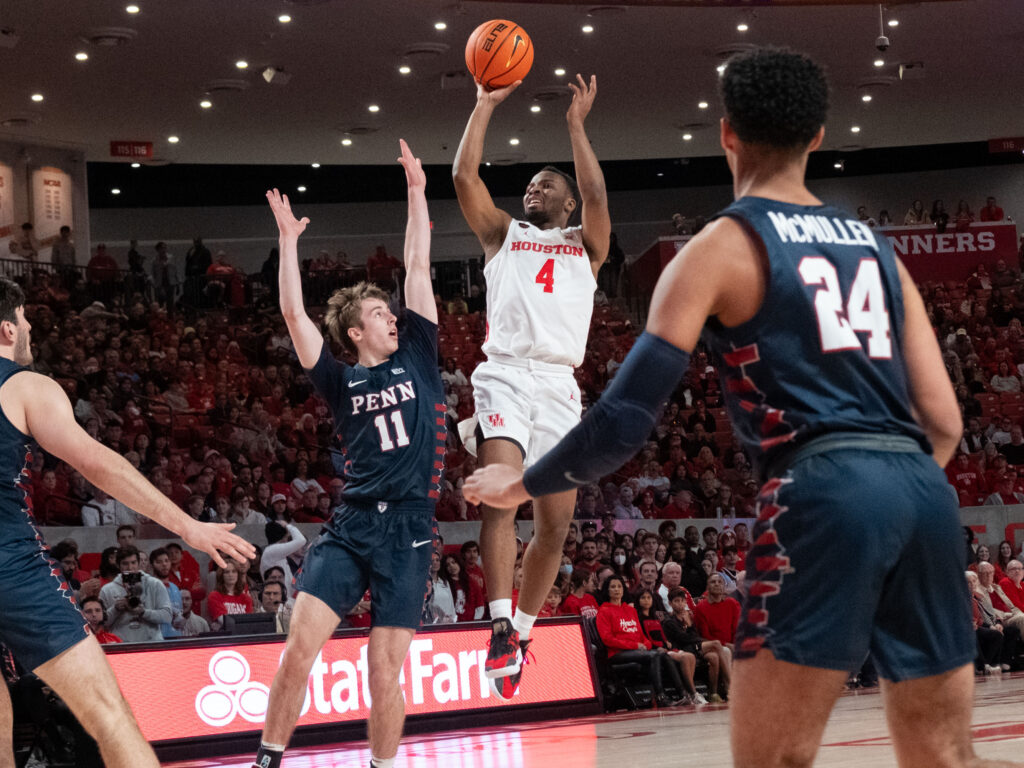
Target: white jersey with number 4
(540, 295)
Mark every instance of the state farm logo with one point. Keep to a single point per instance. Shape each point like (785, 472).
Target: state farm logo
(232, 692)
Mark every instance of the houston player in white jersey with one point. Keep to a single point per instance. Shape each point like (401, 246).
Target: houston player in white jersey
(541, 277)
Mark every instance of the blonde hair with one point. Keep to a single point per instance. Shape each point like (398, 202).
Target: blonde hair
(345, 309)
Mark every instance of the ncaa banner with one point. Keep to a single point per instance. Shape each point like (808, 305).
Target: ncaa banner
(6, 204)
(51, 203)
(183, 691)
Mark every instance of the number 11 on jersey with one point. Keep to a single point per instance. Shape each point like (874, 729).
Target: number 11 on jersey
(401, 436)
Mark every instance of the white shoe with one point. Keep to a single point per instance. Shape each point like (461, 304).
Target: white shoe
(1004, 667)
(699, 700)
(991, 670)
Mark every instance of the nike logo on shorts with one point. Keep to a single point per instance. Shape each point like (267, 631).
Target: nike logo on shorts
(356, 383)
(416, 544)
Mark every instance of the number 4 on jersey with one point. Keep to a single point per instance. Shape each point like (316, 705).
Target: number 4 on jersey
(865, 308)
(546, 276)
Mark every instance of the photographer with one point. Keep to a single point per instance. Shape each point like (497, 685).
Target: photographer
(137, 603)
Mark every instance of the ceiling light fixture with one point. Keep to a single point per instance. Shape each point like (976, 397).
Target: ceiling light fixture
(132, 8)
(559, 72)
(242, 64)
(702, 105)
(894, 22)
(587, 28)
(374, 108)
(346, 142)
(82, 56)
(720, 69)
(535, 108)
(284, 18)
(205, 103)
(405, 69)
(687, 136)
(115, 191)
(301, 188)
(514, 142)
(136, 165)
(866, 97)
(879, 62)
(316, 165)
(855, 129)
(440, 26)
(742, 26)
(37, 97)
(173, 139)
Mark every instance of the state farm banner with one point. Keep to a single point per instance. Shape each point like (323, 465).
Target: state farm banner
(6, 204)
(51, 203)
(952, 255)
(179, 692)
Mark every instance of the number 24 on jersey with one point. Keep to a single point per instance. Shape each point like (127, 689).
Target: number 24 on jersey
(864, 309)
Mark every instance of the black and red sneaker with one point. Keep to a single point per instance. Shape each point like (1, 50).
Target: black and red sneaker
(503, 656)
(506, 687)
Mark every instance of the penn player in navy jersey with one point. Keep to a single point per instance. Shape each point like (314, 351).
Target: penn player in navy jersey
(836, 385)
(389, 413)
(39, 618)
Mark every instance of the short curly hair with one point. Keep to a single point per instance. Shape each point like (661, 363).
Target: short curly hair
(774, 97)
(345, 309)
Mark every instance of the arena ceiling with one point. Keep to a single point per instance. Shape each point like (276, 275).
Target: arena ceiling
(147, 72)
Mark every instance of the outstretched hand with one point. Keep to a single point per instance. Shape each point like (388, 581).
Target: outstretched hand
(414, 175)
(287, 224)
(496, 96)
(582, 98)
(496, 485)
(216, 540)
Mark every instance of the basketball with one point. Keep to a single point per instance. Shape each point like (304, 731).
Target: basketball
(498, 53)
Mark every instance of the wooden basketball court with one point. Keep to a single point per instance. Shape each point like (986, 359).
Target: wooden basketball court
(856, 737)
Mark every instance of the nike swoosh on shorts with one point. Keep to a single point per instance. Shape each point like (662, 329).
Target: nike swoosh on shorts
(421, 543)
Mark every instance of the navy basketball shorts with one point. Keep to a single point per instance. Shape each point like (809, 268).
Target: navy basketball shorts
(39, 618)
(383, 546)
(855, 551)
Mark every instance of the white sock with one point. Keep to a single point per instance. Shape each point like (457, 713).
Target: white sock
(523, 623)
(501, 609)
(382, 762)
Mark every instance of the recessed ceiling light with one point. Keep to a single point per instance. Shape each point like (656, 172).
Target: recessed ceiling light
(838, 166)
(346, 142)
(132, 8)
(587, 28)
(559, 72)
(660, 173)
(879, 62)
(374, 108)
(720, 69)
(535, 108)
(514, 142)
(301, 188)
(173, 139)
(242, 64)
(115, 191)
(855, 129)
(894, 22)
(405, 69)
(687, 136)
(440, 26)
(702, 105)
(316, 165)
(136, 165)
(205, 103)
(81, 56)
(742, 27)
(866, 97)
(37, 97)
(284, 18)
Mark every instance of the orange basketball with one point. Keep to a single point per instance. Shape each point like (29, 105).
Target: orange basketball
(498, 53)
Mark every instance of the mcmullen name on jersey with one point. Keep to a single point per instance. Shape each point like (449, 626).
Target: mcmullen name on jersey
(393, 395)
(526, 245)
(811, 228)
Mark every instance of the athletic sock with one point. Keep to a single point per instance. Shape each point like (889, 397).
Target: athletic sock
(523, 623)
(501, 609)
(269, 756)
(382, 762)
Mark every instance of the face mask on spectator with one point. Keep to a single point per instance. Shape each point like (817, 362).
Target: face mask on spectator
(620, 559)
(567, 569)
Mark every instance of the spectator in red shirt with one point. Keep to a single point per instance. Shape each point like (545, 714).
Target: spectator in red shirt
(681, 507)
(185, 571)
(380, 268)
(101, 268)
(580, 600)
(983, 555)
(551, 603)
(588, 556)
(620, 631)
(1011, 583)
(92, 610)
(230, 595)
(718, 616)
(991, 211)
(471, 565)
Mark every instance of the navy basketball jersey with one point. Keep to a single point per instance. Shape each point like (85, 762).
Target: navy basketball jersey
(824, 352)
(390, 418)
(16, 516)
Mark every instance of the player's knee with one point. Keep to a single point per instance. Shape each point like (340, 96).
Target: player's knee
(713, 661)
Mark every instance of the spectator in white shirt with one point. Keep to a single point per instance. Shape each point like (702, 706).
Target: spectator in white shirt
(282, 541)
(104, 510)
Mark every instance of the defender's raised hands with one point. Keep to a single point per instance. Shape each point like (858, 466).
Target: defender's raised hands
(287, 224)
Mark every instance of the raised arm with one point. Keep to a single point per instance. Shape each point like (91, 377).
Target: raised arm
(38, 406)
(306, 337)
(597, 223)
(419, 291)
(489, 224)
(931, 393)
